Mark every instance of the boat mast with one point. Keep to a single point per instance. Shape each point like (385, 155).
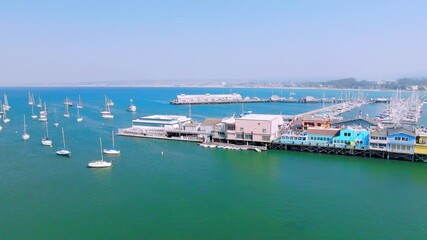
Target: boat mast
(112, 136)
(25, 126)
(63, 137)
(100, 145)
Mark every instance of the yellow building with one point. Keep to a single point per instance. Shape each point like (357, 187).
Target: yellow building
(421, 143)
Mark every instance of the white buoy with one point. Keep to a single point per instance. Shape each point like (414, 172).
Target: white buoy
(161, 152)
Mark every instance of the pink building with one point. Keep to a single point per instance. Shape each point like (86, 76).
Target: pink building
(251, 128)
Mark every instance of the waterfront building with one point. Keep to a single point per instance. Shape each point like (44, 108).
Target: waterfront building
(421, 142)
(160, 122)
(251, 128)
(291, 137)
(353, 137)
(378, 138)
(315, 121)
(321, 136)
(208, 125)
(400, 140)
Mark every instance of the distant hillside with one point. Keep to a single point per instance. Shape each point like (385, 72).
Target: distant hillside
(403, 83)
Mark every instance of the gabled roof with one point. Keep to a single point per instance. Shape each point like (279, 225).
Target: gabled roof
(211, 121)
(323, 131)
(369, 121)
(377, 131)
(392, 131)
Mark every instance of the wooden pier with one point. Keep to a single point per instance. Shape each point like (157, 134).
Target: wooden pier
(348, 151)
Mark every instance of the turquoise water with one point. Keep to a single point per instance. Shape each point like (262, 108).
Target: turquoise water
(191, 192)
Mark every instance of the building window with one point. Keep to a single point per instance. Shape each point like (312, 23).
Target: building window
(241, 129)
(264, 130)
(266, 138)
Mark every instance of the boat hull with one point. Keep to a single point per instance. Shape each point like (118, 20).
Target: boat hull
(99, 164)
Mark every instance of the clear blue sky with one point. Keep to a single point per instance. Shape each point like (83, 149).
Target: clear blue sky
(78, 41)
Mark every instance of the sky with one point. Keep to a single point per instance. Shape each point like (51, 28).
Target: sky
(221, 40)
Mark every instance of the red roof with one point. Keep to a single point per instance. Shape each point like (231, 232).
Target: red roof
(323, 131)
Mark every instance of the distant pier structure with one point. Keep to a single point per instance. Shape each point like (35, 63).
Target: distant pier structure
(184, 99)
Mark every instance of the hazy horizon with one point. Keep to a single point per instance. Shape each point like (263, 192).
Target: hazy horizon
(50, 42)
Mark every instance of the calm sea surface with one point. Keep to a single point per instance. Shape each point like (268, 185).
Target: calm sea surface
(191, 192)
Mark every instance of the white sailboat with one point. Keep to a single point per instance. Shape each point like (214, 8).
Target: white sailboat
(68, 102)
(107, 113)
(131, 107)
(33, 116)
(30, 99)
(112, 150)
(63, 151)
(46, 141)
(56, 124)
(108, 101)
(79, 118)
(67, 112)
(80, 104)
(99, 163)
(5, 118)
(25, 135)
(43, 114)
(39, 104)
(6, 106)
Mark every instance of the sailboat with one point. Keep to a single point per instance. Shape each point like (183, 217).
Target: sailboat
(63, 151)
(33, 116)
(67, 112)
(5, 119)
(43, 114)
(56, 124)
(80, 104)
(131, 107)
(39, 104)
(46, 141)
(108, 101)
(99, 163)
(112, 150)
(68, 102)
(30, 99)
(79, 118)
(25, 135)
(6, 106)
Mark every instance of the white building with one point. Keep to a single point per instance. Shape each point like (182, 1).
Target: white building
(207, 98)
(160, 122)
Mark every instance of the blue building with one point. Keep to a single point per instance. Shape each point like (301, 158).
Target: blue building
(400, 140)
(352, 137)
(321, 136)
(293, 138)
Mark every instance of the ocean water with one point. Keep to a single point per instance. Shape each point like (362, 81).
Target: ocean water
(190, 192)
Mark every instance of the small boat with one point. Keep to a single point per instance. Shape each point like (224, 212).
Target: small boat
(67, 112)
(107, 113)
(30, 99)
(46, 141)
(257, 150)
(68, 102)
(99, 163)
(33, 116)
(5, 119)
(112, 150)
(25, 135)
(108, 101)
(79, 118)
(43, 114)
(6, 106)
(63, 151)
(131, 107)
(80, 104)
(39, 104)
(203, 145)
(212, 146)
(56, 124)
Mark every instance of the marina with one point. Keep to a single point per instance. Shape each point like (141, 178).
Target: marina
(185, 145)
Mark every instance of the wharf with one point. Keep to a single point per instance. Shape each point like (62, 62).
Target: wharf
(133, 133)
(233, 146)
(349, 151)
(259, 100)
